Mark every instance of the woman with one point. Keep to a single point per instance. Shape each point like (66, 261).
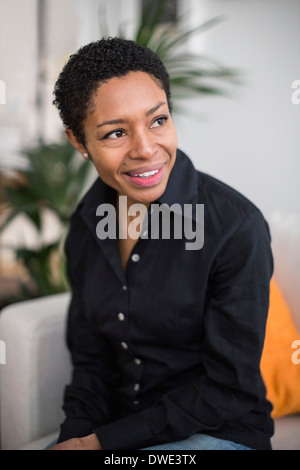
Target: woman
(165, 339)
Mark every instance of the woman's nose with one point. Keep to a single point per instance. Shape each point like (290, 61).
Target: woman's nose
(142, 145)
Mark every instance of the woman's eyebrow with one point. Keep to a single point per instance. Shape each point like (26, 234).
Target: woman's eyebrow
(122, 121)
(112, 122)
(151, 111)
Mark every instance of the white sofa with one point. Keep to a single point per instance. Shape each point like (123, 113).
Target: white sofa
(38, 366)
(36, 370)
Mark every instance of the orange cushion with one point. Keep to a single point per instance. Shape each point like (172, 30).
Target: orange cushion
(280, 372)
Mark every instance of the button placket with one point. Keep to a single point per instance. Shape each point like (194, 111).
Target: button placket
(122, 320)
(138, 375)
(136, 369)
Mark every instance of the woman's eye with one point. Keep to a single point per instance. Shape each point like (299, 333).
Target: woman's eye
(114, 135)
(159, 122)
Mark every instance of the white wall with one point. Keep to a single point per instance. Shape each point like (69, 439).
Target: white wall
(103, 17)
(18, 71)
(251, 141)
(19, 121)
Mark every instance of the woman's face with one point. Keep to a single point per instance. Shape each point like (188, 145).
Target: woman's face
(131, 137)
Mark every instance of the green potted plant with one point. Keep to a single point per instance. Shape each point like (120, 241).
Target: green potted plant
(191, 74)
(53, 180)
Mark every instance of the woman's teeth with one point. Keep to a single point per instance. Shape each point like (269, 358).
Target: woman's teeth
(147, 174)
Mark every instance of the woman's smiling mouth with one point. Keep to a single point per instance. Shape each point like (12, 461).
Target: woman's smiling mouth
(146, 176)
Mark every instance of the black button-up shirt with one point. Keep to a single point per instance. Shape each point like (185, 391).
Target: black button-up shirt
(170, 347)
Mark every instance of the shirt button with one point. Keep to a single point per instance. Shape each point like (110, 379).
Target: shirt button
(136, 387)
(136, 402)
(137, 361)
(135, 258)
(121, 316)
(124, 345)
(124, 287)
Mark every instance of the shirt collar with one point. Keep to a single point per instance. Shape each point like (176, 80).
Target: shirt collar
(182, 185)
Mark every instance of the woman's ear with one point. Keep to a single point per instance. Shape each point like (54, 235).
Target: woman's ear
(77, 145)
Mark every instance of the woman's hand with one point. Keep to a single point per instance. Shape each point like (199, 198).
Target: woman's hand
(90, 442)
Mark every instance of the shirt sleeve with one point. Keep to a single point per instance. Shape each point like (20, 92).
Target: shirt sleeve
(88, 397)
(234, 324)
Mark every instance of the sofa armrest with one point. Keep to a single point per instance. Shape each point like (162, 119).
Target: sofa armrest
(36, 370)
(285, 232)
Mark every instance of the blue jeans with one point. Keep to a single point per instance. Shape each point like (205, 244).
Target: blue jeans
(200, 442)
(195, 442)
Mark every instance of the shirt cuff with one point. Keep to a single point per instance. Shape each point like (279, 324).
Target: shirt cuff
(132, 432)
(75, 427)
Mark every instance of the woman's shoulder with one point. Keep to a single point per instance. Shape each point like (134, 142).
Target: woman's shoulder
(222, 197)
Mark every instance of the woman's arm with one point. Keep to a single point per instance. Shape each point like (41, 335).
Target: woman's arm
(88, 398)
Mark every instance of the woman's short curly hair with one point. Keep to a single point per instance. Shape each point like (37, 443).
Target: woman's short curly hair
(95, 64)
